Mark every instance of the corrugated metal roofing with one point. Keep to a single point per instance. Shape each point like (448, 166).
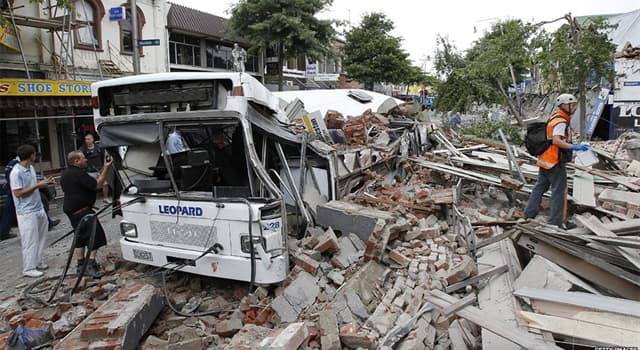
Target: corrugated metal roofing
(197, 22)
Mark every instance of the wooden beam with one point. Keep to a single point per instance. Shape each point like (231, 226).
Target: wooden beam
(600, 230)
(583, 300)
(494, 239)
(593, 270)
(485, 320)
(582, 329)
(604, 175)
(475, 279)
(468, 300)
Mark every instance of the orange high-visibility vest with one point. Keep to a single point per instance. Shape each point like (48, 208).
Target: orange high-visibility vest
(549, 158)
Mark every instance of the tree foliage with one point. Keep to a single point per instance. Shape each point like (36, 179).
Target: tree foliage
(484, 73)
(568, 58)
(372, 55)
(574, 56)
(290, 25)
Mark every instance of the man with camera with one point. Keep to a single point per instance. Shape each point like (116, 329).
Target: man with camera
(80, 190)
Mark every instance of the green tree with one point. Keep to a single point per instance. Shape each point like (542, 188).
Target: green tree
(574, 55)
(484, 74)
(289, 25)
(372, 55)
(455, 90)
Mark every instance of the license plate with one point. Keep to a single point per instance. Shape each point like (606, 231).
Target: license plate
(142, 255)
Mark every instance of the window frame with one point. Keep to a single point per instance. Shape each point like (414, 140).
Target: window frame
(98, 15)
(141, 23)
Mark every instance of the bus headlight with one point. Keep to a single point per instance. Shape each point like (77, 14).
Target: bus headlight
(128, 229)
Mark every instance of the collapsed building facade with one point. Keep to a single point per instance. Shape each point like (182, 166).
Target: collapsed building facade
(415, 242)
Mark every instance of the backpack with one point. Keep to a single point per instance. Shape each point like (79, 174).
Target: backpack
(536, 140)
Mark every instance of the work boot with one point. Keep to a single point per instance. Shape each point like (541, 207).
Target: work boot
(79, 266)
(93, 270)
(567, 225)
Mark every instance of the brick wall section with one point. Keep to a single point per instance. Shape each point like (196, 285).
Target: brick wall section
(120, 322)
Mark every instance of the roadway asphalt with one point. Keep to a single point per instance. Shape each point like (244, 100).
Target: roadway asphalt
(11, 279)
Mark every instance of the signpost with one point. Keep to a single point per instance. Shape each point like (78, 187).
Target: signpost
(117, 13)
(148, 42)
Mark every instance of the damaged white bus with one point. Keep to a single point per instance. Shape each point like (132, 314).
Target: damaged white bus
(211, 172)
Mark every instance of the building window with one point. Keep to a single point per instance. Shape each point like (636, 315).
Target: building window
(184, 49)
(219, 56)
(89, 14)
(126, 31)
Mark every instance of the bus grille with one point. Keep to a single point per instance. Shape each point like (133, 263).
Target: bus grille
(183, 234)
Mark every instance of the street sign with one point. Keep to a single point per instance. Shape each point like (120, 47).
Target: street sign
(149, 42)
(117, 13)
(326, 77)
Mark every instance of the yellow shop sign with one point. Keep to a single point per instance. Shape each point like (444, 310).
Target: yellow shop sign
(28, 87)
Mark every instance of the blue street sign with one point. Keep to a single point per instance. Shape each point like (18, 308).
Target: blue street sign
(149, 42)
(117, 13)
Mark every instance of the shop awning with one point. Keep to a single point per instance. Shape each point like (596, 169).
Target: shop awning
(38, 102)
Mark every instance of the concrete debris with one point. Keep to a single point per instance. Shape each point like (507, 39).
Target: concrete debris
(421, 256)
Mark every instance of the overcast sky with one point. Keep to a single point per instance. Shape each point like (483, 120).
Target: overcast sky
(419, 22)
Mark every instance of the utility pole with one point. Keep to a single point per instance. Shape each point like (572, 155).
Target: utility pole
(582, 84)
(134, 36)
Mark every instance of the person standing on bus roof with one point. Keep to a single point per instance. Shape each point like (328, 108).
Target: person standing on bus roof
(80, 190)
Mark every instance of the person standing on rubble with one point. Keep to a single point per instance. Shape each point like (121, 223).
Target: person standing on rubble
(552, 170)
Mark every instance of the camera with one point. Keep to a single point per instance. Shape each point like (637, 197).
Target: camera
(107, 158)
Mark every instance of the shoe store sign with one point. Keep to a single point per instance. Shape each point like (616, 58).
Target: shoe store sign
(30, 87)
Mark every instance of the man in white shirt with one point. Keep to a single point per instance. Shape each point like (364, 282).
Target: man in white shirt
(32, 219)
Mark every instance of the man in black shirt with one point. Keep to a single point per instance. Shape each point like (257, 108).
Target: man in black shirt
(79, 197)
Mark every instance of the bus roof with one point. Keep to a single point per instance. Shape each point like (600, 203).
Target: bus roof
(253, 90)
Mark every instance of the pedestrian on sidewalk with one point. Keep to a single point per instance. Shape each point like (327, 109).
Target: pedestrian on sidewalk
(80, 191)
(9, 212)
(95, 159)
(552, 170)
(32, 219)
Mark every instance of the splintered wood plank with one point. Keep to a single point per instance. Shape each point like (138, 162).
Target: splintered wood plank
(544, 274)
(583, 300)
(578, 313)
(600, 230)
(512, 334)
(582, 329)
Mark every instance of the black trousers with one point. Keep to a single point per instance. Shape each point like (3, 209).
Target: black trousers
(85, 231)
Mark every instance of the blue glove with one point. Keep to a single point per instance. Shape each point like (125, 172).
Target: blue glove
(580, 147)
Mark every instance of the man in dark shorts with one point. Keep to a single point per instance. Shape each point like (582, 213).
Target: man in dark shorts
(80, 191)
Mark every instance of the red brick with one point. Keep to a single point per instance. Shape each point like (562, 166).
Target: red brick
(107, 344)
(291, 338)
(306, 263)
(350, 337)
(327, 242)
(399, 258)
